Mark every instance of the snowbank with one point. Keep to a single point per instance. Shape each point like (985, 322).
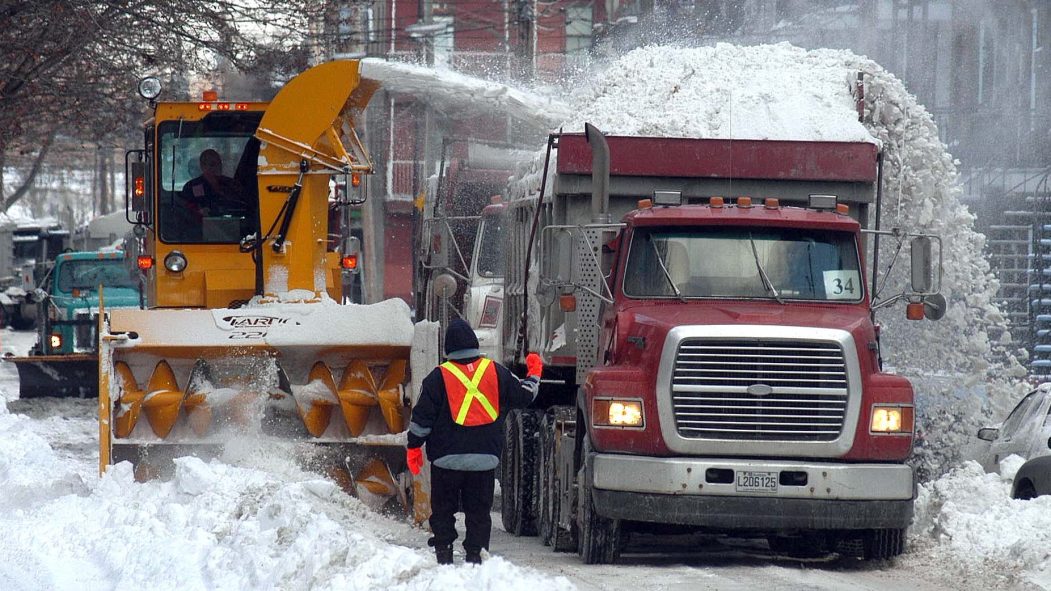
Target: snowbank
(970, 515)
(213, 526)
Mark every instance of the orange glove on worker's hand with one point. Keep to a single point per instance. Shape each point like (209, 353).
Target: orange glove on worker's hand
(414, 457)
(534, 365)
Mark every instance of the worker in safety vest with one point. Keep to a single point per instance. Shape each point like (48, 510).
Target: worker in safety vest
(460, 416)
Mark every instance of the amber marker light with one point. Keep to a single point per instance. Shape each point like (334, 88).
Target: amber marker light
(350, 262)
(744, 202)
(914, 311)
(145, 262)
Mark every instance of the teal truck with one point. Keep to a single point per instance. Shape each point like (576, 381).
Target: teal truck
(64, 361)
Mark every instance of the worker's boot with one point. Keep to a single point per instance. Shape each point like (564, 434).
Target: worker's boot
(473, 557)
(444, 554)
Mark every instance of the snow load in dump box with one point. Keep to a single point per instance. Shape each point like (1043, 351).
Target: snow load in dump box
(766, 92)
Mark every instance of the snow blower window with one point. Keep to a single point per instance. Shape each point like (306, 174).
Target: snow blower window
(207, 172)
(88, 275)
(797, 264)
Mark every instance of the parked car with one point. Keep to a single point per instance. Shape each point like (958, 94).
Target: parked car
(1033, 479)
(1026, 431)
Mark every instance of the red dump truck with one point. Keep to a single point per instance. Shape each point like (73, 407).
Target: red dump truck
(713, 363)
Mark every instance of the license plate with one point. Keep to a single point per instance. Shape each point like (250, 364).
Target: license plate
(750, 481)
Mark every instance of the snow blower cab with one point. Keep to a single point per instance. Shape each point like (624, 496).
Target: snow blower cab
(243, 334)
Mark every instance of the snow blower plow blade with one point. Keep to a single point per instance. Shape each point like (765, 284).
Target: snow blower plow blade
(326, 382)
(56, 375)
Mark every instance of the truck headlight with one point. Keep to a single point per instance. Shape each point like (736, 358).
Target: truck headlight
(175, 261)
(891, 419)
(617, 412)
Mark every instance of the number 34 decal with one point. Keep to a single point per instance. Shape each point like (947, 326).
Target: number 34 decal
(842, 285)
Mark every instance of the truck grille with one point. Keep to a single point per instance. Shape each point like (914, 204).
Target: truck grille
(84, 332)
(799, 389)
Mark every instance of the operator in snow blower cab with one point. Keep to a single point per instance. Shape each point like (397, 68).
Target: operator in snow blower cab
(212, 191)
(460, 417)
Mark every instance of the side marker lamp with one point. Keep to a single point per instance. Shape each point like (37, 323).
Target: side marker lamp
(350, 262)
(144, 262)
(56, 341)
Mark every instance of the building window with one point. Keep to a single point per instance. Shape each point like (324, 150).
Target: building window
(578, 30)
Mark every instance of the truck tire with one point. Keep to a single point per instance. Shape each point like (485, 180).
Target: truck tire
(549, 494)
(518, 473)
(881, 544)
(599, 541)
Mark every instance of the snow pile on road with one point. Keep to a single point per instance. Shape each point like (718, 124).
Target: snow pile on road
(213, 526)
(971, 515)
(782, 92)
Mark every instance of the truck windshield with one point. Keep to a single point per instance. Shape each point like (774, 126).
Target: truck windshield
(491, 247)
(724, 262)
(207, 174)
(90, 274)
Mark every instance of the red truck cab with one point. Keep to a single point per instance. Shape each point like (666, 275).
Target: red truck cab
(756, 410)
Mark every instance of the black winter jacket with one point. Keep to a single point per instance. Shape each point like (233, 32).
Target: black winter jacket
(457, 447)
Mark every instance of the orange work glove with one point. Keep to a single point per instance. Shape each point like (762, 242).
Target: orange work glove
(414, 458)
(534, 365)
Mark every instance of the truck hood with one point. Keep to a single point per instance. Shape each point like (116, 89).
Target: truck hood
(667, 315)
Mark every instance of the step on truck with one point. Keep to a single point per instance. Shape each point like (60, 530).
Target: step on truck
(712, 361)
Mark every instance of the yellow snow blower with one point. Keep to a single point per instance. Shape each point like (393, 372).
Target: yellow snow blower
(243, 336)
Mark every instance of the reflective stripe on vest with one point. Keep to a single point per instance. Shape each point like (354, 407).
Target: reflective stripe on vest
(465, 390)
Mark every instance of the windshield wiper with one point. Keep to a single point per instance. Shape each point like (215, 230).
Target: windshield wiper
(667, 275)
(769, 285)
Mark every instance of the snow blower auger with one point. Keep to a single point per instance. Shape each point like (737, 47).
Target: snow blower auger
(242, 347)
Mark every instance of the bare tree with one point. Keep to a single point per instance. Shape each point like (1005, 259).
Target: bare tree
(68, 68)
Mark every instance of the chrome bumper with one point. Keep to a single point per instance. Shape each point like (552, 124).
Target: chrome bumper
(676, 491)
(687, 476)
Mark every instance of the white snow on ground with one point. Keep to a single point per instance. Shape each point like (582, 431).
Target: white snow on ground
(971, 516)
(212, 526)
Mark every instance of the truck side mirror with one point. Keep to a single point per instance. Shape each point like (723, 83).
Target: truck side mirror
(934, 306)
(921, 264)
(988, 433)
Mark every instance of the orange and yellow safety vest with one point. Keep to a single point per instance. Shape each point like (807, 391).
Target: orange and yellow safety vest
(473, 400)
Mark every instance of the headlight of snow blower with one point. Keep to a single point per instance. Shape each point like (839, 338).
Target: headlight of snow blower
(175, 261)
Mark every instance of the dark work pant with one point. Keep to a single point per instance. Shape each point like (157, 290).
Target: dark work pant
(473, 492)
